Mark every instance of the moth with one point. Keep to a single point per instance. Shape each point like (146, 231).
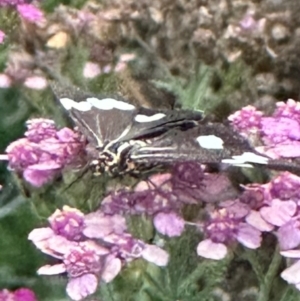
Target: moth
(129, 139)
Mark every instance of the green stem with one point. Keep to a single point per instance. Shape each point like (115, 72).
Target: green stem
(160, 292)
(266, 285)
(288, 294)
(193, 277)
(251, 256)
(265, 280)
(106, 292)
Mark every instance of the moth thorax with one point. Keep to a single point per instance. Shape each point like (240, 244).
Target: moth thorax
(108, 158)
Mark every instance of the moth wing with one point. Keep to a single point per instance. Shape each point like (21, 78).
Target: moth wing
(102, 121)
(210, 143)
(108, 120)
(150, 123)
(99, 118)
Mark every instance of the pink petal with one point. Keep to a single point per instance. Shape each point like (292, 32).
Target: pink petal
(154, 181)
(66, 135)
(169, 224)
(49, 165)
(91, 70)
(59, 245)
(93, 245)
(292, 274)
(120, 66)
(40, 234)
(2, 36)
(155, 255)
(279, 213)
(291, 253)
(112, 269)
(52, 269)
(55, 245)
(5, 81)
(106, 69)
(36, 82)
(255, 220)
(38, 178)
(98, 225)
(288, 235)
(81, 287)
(127, 57)
(249, 236)
(211, 250)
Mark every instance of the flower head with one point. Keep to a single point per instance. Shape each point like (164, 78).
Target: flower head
(44, 153)
(246, 120)
(221, 227)
(90, 248)
(21, 294)
(148, 197)
(11, 2)
(39, 129)
(254, 196)
(289, 109)
(30, 12)
(68, 223)
(187, 175)
(285, 187)
(24, 294)
(224, 228)
(280, 129)
(83, 259)
(132, 202)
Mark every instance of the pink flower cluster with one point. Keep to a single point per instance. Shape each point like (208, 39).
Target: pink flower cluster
(27, 12)
(21, 294)
(91, 248)
(11, 2)
(45, 151)
(271, 207)
(277, 206)
(163, 196)
(92, 69)
(277, 136)
(30, 13)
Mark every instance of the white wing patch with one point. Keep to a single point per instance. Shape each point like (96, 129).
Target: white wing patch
(109, 104)
(102, 104)
(145, 118)
(68, 104)
(245, 158)
(210, 142)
